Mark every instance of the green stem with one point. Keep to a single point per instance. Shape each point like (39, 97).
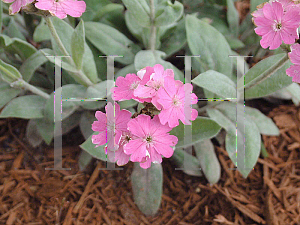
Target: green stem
(56, 37)
(265, 75)
(1, 13)
(153, 27)
(20, 83)
(81, 76)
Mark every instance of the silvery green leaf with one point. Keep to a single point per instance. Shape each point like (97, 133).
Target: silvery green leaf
(110, 41)
(209, 162)
(210, 44)
(147, 187)
(266, 77)
(140, 10)
(202, 128)
(26, 107)
(97, 152)
(31, 64)
(217, 83)
(78, 44)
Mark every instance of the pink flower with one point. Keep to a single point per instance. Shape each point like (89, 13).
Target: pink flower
(172, 98)
(150, 140)
(119, 155)
(61, 8)
(275, 25)
(110, 127)
(156, 81)
(294, 55)
(17, 5)
(127, 85)
(294, 71)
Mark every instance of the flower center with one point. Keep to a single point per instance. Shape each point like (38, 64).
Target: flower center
(134, 85)
(277, 26)
(56, 0)
(149, 139)
(157, 85)
(176, 102)
(127, 138)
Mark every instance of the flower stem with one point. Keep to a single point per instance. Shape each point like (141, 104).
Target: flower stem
(80, 75)
(55, 36)
(20, 83)
(153, 27)
(265, 75)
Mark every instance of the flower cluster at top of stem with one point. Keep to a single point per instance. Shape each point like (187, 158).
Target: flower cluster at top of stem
(144, 137)
(277, 22)
(59, 8)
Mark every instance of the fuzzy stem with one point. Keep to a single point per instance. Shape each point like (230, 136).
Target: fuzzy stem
(20, 83)
(153, 27)
(81, 76)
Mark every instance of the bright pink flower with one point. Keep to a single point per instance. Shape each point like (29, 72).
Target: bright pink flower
(156, 81)
(150, 140)
(172, 98)
(276, 26)
(110, 127)
(61, 8)
(127, 85)
(119, 155)
(294, 55)
(17, 5)
(154, 84)
(294, 72)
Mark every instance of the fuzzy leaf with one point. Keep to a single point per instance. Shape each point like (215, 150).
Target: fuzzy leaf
(193, 167)
(110, 41)
(98, 153)
(202, 128)
(26, 107)
(7, 93)
(208, 160)
(140, 11)
(210, 44)
(32, 64)
(147, 187)
(217, 83)
(77, 45)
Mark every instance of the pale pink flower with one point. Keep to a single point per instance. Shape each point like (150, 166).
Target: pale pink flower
(150, 141)
(62, 8)
(110, 126)
(294, 55)
(17, 5)
(276, 26)
(288, 5)
(127, 85)
(172, 98)
(119, 155)
(294, 72)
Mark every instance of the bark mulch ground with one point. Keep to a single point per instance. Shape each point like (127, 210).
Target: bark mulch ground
(31, 195)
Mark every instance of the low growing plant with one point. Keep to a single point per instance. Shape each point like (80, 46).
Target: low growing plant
(144, 37)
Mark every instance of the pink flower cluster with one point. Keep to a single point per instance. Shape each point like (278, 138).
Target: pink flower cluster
(294, 70)
(277, 21)
(144, 138)
(59, 8)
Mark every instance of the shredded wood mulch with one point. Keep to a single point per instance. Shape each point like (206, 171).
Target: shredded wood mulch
(31, 195)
